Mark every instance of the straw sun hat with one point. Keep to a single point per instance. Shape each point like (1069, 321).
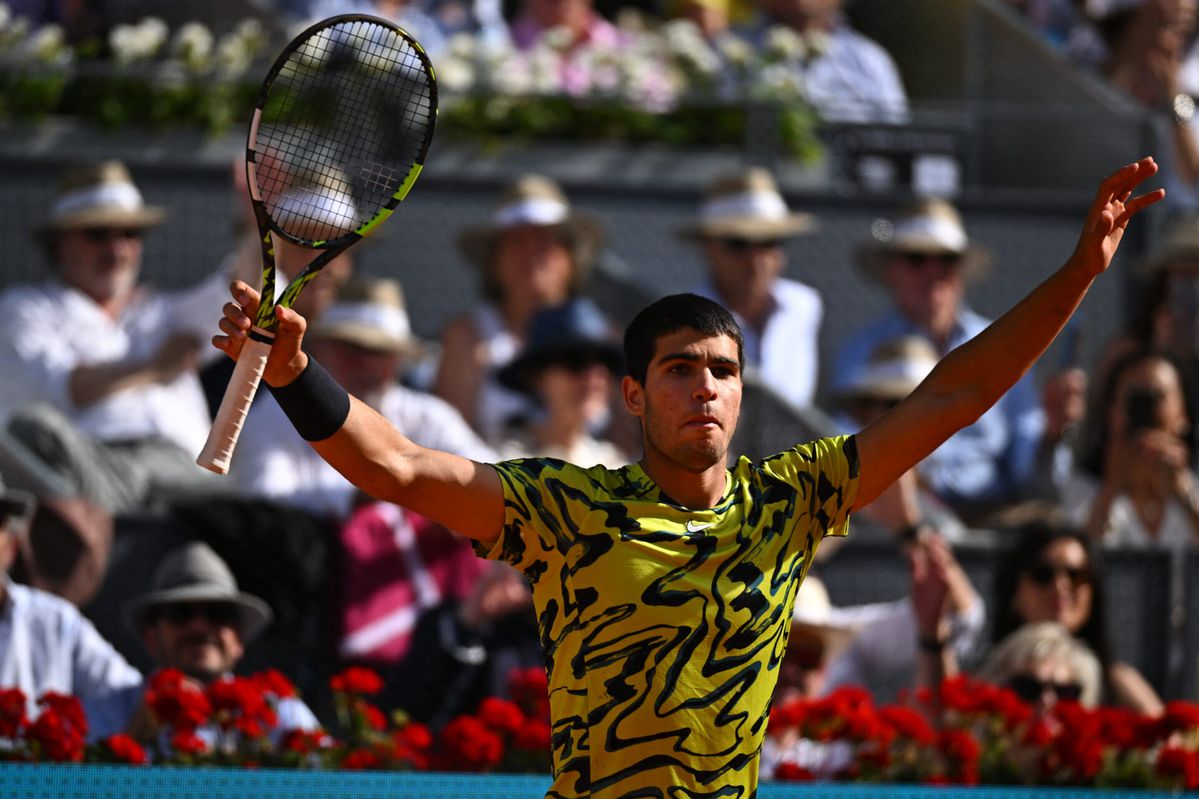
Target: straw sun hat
(97, 195)
(928, 226)
(370, 313)
(537, 201)
(748, 205)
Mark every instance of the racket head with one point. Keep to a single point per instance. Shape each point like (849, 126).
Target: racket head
(341, 128)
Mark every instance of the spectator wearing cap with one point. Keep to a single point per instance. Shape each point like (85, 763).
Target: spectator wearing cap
(569, 366)
(742, 229)
(925, 262)
(195, 619)
(365, 341)
(534, 252)
(100, 371)
(46, 644)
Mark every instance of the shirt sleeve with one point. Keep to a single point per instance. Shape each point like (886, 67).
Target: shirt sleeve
(537, 527)
(826, 473)
(34, 354)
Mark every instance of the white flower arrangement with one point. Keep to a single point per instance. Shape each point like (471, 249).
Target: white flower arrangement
(139, 42)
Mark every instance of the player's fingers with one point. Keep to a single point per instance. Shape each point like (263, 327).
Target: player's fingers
(245, 295)
(236, 315)
(233, 329)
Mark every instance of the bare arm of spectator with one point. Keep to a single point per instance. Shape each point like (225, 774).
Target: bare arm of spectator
(178, 353)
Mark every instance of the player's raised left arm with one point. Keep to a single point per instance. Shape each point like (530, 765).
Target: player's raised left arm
(970, 379)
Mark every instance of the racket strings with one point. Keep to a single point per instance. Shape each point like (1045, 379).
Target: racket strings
(345, 120)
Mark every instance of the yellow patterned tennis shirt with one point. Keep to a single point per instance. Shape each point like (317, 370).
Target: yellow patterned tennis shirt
(664, 627)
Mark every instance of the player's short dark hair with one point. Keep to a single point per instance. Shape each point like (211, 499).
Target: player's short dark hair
(669, 315)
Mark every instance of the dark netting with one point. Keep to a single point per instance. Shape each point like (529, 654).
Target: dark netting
(343, 122)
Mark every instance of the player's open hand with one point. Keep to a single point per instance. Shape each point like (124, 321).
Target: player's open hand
(287, 359)
(1110, 213)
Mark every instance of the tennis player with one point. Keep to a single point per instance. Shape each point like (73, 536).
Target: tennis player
(664, 589)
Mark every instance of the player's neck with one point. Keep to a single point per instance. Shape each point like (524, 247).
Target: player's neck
(696, 490)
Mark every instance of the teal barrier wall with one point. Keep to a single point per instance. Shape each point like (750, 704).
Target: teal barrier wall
(20, 781)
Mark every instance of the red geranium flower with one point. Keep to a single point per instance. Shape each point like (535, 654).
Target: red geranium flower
(238, 703)
(500, 715)
(186, 742)
(534, 735)
(12, 712)
(529, 688)
(123, 749)
(60, 730)
(177, 701)
(356, 680)
(468, 745)
(790, 772)
(1174, 762)
(361, 759)
(272, 681)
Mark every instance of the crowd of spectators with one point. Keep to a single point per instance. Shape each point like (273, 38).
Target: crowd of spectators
(108, 389)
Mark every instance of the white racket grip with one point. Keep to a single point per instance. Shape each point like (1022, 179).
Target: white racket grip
(239, 394)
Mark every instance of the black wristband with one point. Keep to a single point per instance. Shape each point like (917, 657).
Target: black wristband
(316, 405)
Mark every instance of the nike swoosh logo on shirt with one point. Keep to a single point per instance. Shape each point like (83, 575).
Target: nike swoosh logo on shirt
(694, 527)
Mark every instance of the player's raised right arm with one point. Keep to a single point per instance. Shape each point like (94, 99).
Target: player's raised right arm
(367, 449)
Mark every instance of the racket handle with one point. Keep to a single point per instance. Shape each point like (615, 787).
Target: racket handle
(239, 394)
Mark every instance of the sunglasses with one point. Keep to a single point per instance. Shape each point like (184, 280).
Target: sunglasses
(220, 614)
(738, 244)
(100, 235)
(1030, 689)
(914, 259)
(1045, 574)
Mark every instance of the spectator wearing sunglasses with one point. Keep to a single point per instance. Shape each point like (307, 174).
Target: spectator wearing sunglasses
(1043, 664)
(100, 371)
(742, 229)
(569, 367)
(195, 619)
(1052, 574)
(925, 260)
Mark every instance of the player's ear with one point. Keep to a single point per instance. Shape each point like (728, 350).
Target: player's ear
(634, 395)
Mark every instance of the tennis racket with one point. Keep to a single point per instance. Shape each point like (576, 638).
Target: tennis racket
(340, 131)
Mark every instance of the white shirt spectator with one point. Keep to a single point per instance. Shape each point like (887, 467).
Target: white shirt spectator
(785, 355)
(48, 330)
(273, 461)
(883, 652)
(46, 644)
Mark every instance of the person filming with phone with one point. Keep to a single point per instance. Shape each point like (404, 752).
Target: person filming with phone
(1135, 487)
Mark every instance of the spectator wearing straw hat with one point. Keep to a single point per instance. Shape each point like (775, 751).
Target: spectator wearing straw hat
(925, 263)
(365, 339)
(195, 619)
(536, 251)
(101, 371)
(46, 644)
(894, 370)
(742, 228)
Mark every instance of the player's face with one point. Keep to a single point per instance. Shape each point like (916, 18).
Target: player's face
(101, 262)
(200, 639)
(691, 399)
